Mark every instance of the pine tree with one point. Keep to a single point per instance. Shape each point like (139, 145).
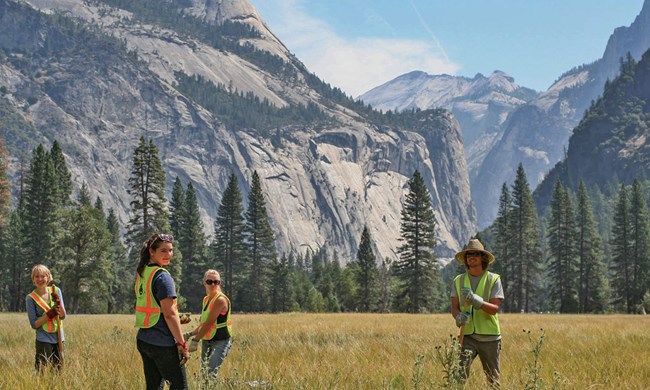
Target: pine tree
(176, 205)
(366, 274)
(526, 245)
(192, 245)
(40, 214)
(593, 289)
(147, 189)
(229, 239)
(260, 248)
(5, 189)
(561, 238)
(416, 268)
(503, 239)
(120, 283)
(149, 212)
(640, 238)
(280, 294)
(15, 255)
(621, 252)
(83, 252)
(63, 176)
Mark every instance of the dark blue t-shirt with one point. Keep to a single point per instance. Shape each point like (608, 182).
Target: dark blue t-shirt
(159, 334)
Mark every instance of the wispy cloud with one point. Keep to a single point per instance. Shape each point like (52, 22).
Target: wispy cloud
(355, 65)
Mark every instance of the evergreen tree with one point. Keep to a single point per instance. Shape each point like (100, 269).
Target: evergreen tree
(384, 285)
(192, 245)
(149, 213)
(280, 294)
(367, 274)
(83, 266)
(593, 289)
(621, 251)
(260, 248)
(640, 238)
(63, 176)
(416, 268)
(5, 188)
(561, 238)
(15, 255)
(229, 238)
(147, 190)
(503, 239)
(40, 214)
(176, 205)
(526, 247)
(120, 295)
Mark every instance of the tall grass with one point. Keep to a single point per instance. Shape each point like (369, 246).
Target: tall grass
(347, 351)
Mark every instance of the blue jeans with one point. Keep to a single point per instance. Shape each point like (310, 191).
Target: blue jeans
(162, 364)
(213, 352)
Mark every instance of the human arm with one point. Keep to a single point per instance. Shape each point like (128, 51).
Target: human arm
(174, 324)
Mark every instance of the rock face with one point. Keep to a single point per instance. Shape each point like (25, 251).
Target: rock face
(533, 130)
(322, 183)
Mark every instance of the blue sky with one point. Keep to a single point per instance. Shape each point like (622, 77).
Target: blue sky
(357, 45)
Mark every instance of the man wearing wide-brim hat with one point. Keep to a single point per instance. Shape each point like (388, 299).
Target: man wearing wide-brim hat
(475, 299)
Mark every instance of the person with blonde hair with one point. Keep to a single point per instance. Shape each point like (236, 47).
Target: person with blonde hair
(45, 311)
(215, 328)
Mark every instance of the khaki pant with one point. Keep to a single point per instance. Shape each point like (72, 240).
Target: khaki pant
(488, 352)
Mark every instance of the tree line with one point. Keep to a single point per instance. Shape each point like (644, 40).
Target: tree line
(94, 264)
(568, 258)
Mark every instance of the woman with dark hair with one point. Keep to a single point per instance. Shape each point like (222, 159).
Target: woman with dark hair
(160, 340)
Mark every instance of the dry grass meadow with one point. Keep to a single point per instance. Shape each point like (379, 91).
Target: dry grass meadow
(345, 351)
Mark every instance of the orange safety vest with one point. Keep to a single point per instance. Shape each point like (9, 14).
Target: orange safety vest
(147, 310)
(51, 324)
(205, 312)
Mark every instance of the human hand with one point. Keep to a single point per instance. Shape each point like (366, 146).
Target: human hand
(462, 318)
(187, 335)
(53, 312)
(183, 352)
(194, 345)
(468, 297)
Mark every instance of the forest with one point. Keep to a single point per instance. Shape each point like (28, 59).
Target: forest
(585, 253)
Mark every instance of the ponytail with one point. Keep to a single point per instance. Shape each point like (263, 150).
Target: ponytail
(152, 243)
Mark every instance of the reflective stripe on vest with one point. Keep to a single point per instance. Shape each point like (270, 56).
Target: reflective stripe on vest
(51, 324)
(205, 312)
(147, 310)
(480, 322)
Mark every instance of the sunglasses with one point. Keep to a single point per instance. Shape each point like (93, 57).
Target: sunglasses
(473, 254)
(210, 282)
(162, 237)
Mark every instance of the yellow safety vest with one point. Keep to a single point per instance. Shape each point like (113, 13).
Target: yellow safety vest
(147, 310)
(480, 322)
(51, 325)
(205, 312)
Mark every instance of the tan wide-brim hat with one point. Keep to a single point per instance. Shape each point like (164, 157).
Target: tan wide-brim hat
(473, 245)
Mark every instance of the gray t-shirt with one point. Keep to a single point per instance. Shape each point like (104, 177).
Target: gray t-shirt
(497, 292)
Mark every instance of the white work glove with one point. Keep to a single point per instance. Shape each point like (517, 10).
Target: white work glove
(468, 296)
(462, 318)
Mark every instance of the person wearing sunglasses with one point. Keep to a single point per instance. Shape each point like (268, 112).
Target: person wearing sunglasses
(475, 299)
(160, 339)
(215, 328)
